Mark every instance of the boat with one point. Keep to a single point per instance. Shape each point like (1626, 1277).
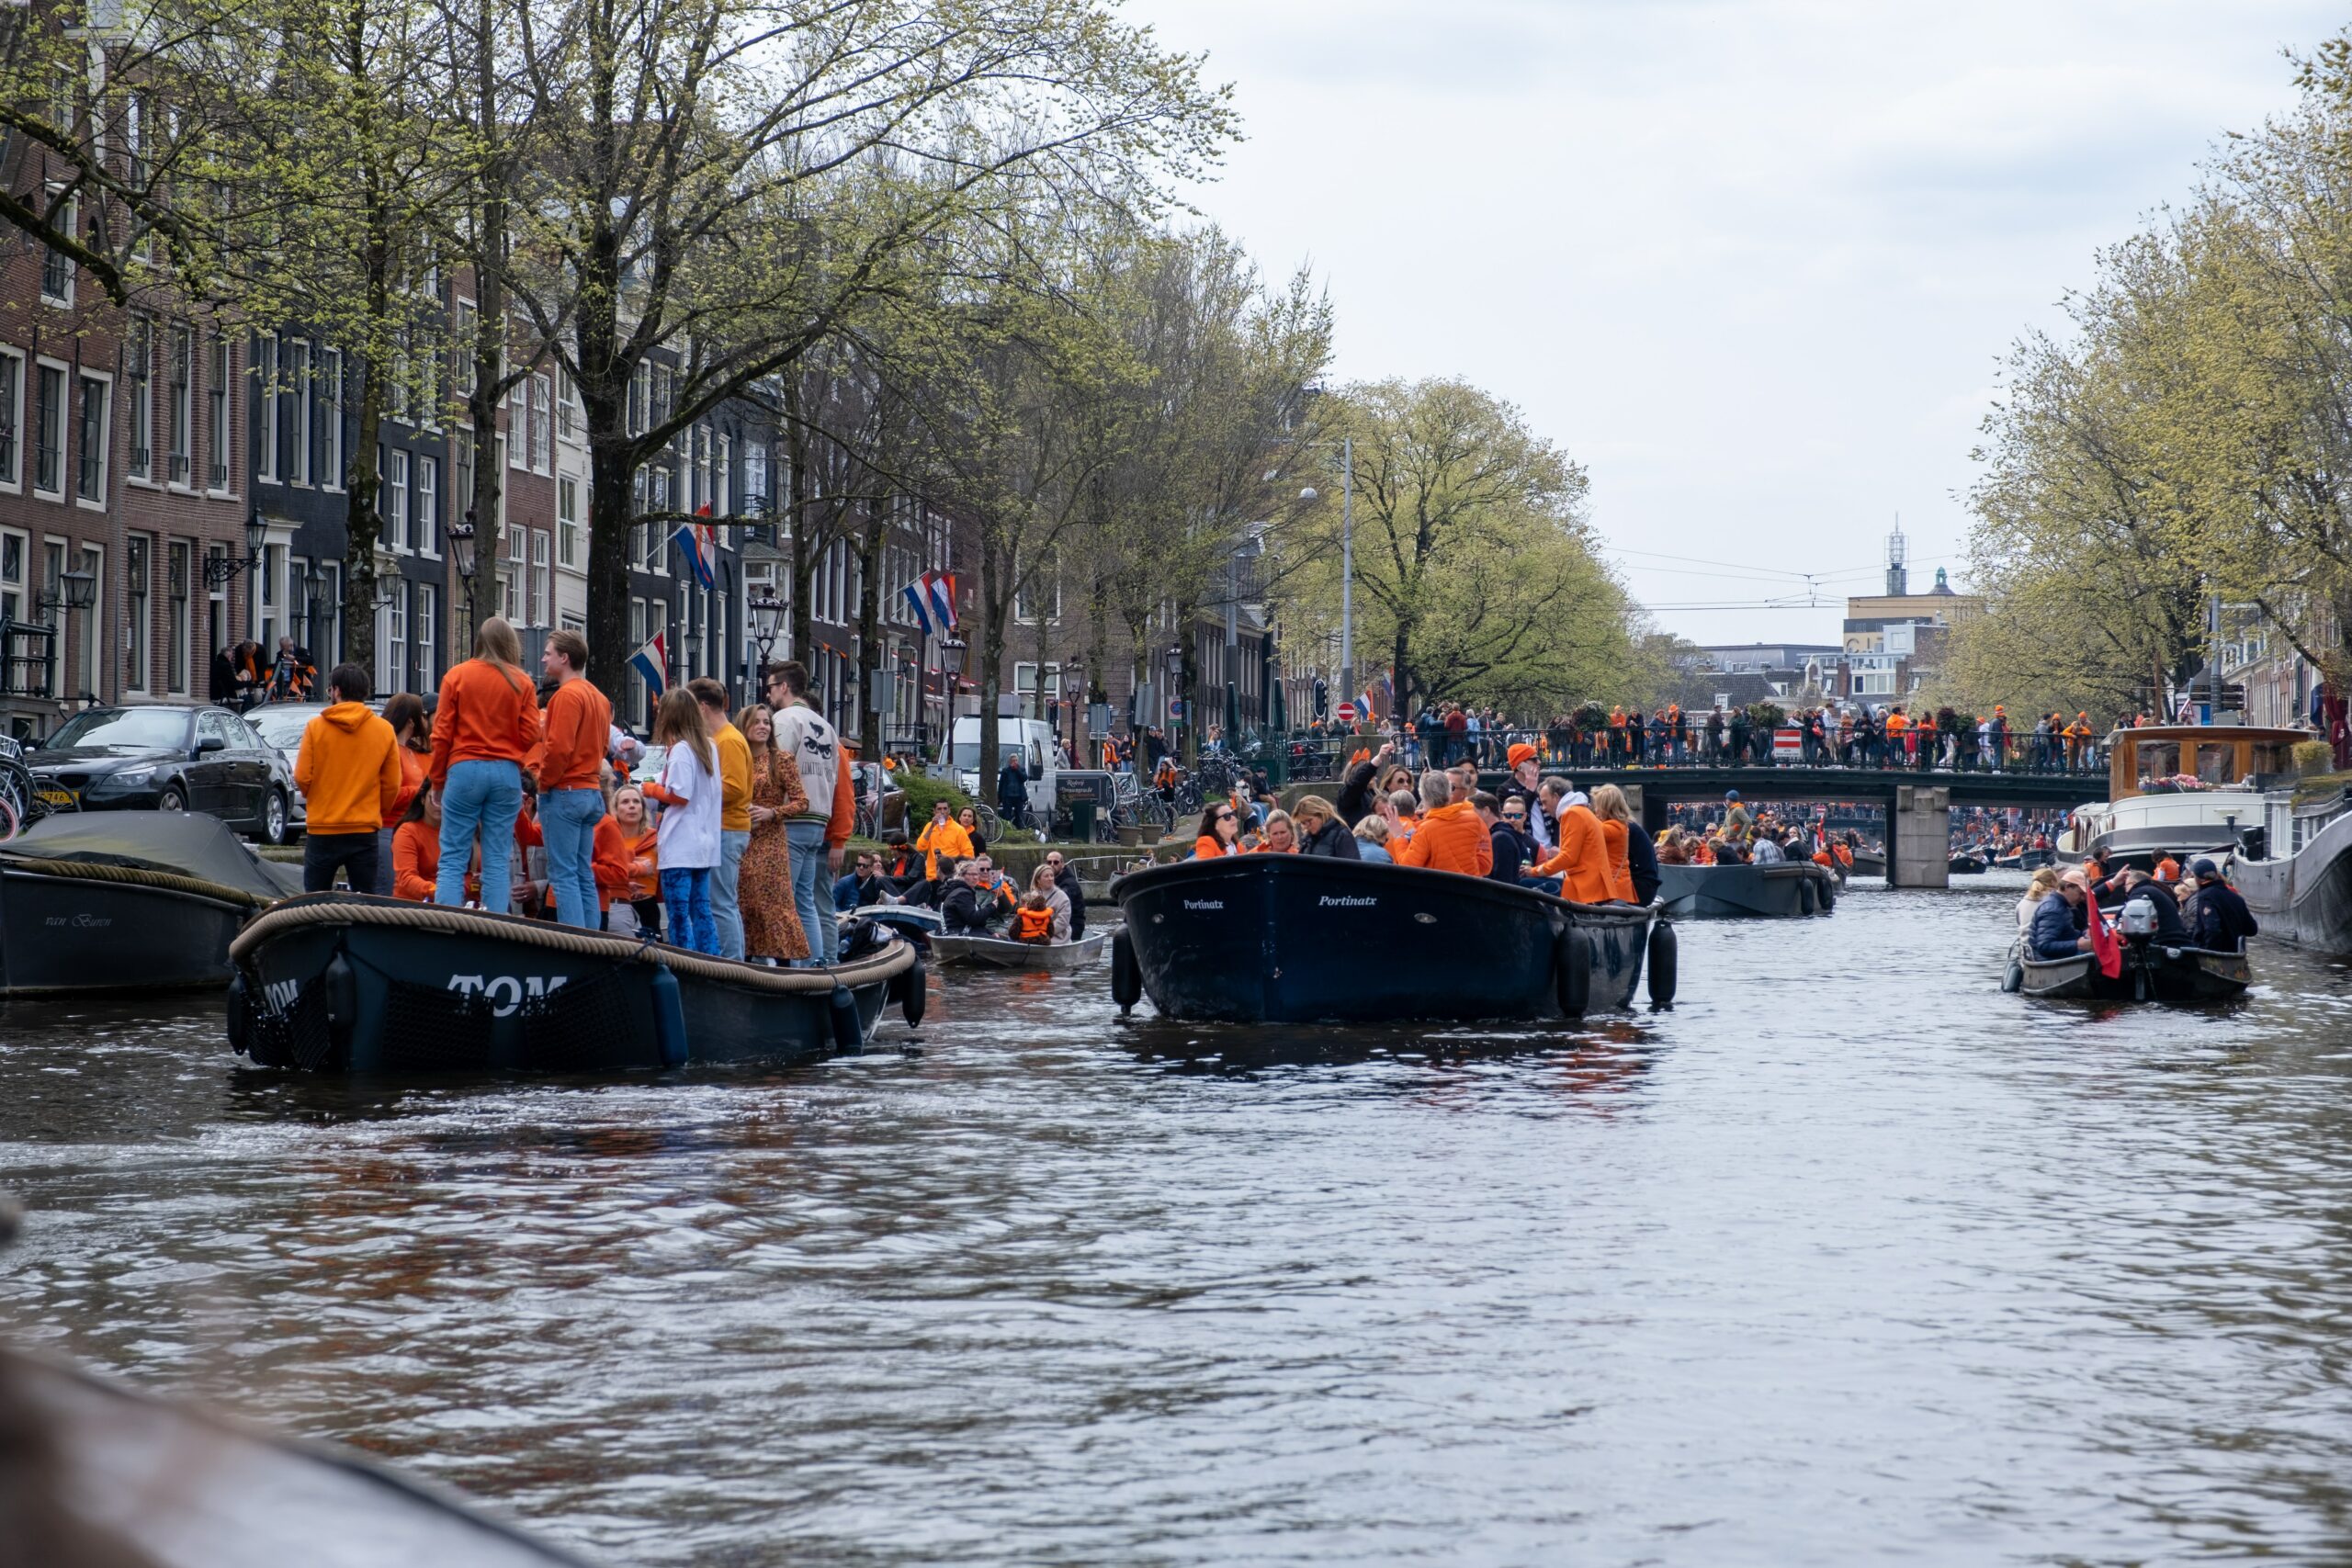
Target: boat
(988, 951)
(122, 901)
(341, 982)
(919, 923)
(1870, 863)
(1967, 864)
(2181, 790)
(104, 1473)
(2295, 871)
(2023, 860)
(1732, 892)
(1295, 938)
(2150, 973)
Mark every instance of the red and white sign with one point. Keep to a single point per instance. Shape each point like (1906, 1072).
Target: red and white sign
(1346, 713)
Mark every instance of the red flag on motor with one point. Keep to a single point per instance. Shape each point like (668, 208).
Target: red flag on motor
(2105, 944)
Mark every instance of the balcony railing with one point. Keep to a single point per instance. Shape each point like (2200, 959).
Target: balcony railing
(29, 665)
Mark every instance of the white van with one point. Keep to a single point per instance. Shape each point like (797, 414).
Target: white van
(1041, 757)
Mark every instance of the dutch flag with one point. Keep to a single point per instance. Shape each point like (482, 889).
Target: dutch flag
(652, 663)
(942, 598)
(918, 594)
(696, 542)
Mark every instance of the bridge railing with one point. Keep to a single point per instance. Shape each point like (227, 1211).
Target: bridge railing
(1313, 755)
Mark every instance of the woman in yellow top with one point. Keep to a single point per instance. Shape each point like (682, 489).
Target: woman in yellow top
(943, 836)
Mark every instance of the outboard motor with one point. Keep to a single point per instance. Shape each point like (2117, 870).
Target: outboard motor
(2138, 918)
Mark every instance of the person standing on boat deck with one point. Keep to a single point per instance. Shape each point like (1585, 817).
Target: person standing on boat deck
(1523, 785)
(819, 836)
(1641, 862)
(1508, 848)
(2058, 929)
(578, 727)
(1582, 860)
(2218, 918)
(689, 794)
(486, 725)
(349, 773)
(771, 916)
(734, 813)
(1450, 837)
(1737, 821)
(1617, 832)
(1322, 832)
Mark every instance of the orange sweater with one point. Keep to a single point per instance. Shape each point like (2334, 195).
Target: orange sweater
(578, 723)
(1621, 875)
(645, 846)
(1451, 838)
(486, 713)
(611, 858)
(412, 770)
(349, 770)
(1582, 859)
(1207, 848)
(416, 861)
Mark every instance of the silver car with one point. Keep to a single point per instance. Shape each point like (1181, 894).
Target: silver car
(280, 727)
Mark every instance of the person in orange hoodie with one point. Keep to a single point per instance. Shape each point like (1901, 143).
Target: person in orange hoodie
(349, 773)
(1581, 861)
(483, 730)
(571, 761)
(1451, 837)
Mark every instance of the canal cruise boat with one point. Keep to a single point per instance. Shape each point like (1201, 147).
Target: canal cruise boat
(2182, 790)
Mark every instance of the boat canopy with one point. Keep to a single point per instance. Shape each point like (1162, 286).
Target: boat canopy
(2141, 760)
(181, 843)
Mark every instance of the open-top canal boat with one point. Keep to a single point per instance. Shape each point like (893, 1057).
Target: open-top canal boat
(995, 953)
(339, 983)
(1735, 892)
(1294, 939)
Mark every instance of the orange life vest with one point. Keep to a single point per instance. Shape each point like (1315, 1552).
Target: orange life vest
(1034, 926)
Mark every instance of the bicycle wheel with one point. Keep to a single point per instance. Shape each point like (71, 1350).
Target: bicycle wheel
(992, 827)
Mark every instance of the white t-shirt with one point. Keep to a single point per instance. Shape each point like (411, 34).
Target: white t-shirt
(688, 835)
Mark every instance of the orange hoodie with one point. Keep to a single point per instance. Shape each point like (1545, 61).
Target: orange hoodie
(412, 766)
(1451, 838)
(349, 770)
(486, 714)
(1582, 859)
(1621, 875)
(578, 725)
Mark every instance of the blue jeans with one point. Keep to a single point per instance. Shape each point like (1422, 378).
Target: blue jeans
(568, 819)
(725, 912)
(806, 841)
(686, 894)
(483, 796)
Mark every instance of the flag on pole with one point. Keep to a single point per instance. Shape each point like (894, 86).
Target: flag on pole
(2105, 944)
(694, 541)
(918, 594)
(1364, 704)
(942, 598)
(652, 663)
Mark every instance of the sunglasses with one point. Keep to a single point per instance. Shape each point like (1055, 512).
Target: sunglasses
(1225, 816)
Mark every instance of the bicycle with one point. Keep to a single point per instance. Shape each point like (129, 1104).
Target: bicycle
(20, 803)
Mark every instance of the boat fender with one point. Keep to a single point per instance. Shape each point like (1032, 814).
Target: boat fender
(1806, 899)
(1827, 886)
(239, 1021)
(849, 1030)
(914, 992)
(2013, 979)
(1571, 971)
(342, 996)
(669, 1017)
(1663, 957)
(1126, 974)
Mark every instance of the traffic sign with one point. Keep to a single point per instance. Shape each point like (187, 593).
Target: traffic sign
(1346, 713)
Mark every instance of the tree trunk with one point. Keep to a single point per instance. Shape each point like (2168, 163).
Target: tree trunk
(801, 634)
(489, 337)
(363, 525)
(1188, 682)
(991, 608)
(869, 626)
(612, 468)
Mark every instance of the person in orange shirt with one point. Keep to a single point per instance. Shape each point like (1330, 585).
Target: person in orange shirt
(569, 765)
(486, 725)
(416, 851)
(642, 841)
(1616, 818)
(1581, 861)
(2167, 869)
(349, 773)
(413, 730)
(1450, 836)
(1220, 831)
(945, 835)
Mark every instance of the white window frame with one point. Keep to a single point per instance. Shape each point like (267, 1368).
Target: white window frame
(567, 521)
(395, 635)
(428, 536)
(64, 415)
(81, 379)
(91, 653)
(71, 225)
(421, 636)
(299, 383)
(139, 408)
(542, 580)
(395, 482)
(330, 366)
(179, 405)
(542, 419)
(12, 473)
(16, 591)
(221, 376)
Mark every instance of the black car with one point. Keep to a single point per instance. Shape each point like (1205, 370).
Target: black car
(164, 759)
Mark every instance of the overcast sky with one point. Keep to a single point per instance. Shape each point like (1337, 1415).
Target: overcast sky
(1753, 262)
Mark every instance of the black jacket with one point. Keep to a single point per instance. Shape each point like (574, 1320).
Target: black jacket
(2219, 918)
(1068, 883)
(1641, 860)
(966, 910)
(1332, 842)
(1510, 853)
(1355, 793)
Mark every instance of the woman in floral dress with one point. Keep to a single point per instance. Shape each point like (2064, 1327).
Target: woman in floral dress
(764, 887)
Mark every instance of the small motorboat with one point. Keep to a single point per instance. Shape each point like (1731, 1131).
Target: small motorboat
(104, 1473)
(1735, 892)
(994, 952)
(1298, 938)
(2024, 860)
(1869, 863)
(341, 982)
(2150, 973)
(919, 923)
(1967, 864)
(118, 901)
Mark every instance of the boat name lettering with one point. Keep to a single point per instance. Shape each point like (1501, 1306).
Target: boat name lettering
(278, 996)
(84, 922)
(1329, 900)
(505, 992)
(1204, 903)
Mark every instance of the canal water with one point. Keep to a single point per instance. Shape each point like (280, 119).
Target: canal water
(1849, 1258)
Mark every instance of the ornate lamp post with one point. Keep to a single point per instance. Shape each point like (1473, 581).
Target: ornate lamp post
(461, 552)
(766, 612)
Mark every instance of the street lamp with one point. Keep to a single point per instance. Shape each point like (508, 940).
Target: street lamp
(1347, 561)
(461, 552)
(766, 612)
(219, 568)
(75, 591)
(1074, 694)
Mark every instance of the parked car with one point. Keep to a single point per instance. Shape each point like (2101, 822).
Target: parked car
(160, 758)
(280, 727)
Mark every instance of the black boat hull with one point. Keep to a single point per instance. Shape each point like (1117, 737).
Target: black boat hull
(335, 983)
(64, 934)
(2151, 974)
(1789, 890)
(1294, 939)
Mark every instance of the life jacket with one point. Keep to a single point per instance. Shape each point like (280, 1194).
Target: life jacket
(1845, 856)
(1033, 926)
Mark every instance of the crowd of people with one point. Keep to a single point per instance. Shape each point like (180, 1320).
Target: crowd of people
(2192, 907)
(948, 867)
(441, 798)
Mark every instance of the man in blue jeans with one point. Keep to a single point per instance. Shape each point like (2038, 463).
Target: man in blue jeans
(810, 742)
(574, 732)
(734, 813)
